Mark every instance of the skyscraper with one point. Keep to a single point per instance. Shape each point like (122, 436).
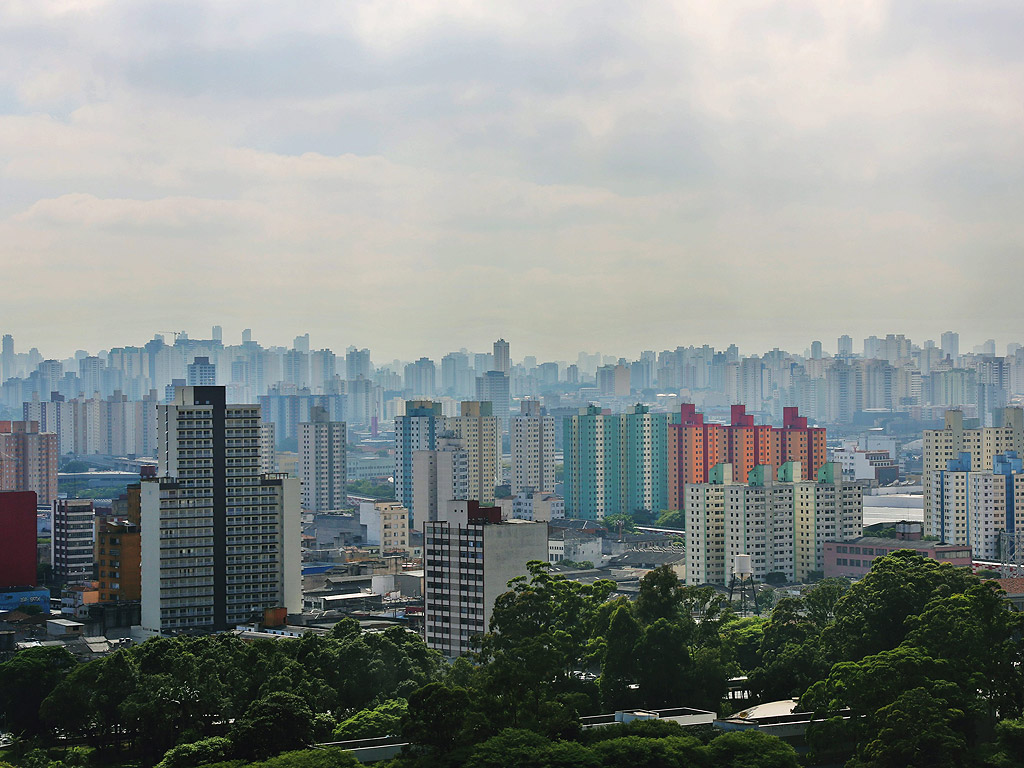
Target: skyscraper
(220, 541)
(493, 388)
(322, 461)
(417, 430)
(532, 439)
(502, 361)
(440, 476)
(71, 544)
(614, 462)
(950, 342)
(478, 430)
(470, 556)
(201, 373)
(28, 460)
(980, 446)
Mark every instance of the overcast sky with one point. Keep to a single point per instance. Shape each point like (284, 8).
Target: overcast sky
(421, 176)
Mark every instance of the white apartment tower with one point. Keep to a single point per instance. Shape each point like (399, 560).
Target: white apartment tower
(532, 438)
(469, 557)
(220, 540)
(480, 434)
(322, 461)
(440, 476)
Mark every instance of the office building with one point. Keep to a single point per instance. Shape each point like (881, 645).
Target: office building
(28, 460)
(982, 444)
(18, 524)
(220, 540)
(695, 446)
(776, 517)
(532, 441)
(614, 462)
(322, 462)
(71, 544)
(469, 558)
(973, 507)
(417, 430)
(477, 428)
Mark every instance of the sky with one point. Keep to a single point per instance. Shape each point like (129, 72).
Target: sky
(422, 176)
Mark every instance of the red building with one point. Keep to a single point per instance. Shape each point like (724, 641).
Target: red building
(694, 447)
(18, 540)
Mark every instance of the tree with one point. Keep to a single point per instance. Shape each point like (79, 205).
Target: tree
(663, 659)
(26, 680)
(435, 716)
(672, 518)
(275, 723)
(620, 661)
(212, 750)
(751, 749)
(660, 596)
(383, 720)
(914, 731)
(1009, 745)
(517, 747)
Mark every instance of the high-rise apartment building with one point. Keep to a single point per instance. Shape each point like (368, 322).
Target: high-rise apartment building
(477, 428)
(28, 460)
(322, 461)
(18, 524)
(71, 544)
(469, 557)
(532, 440)
(779, 519)
(493, 388)
(55, 415)
(502, 359)
(950, 342)
(694, 447)
(440, 476)
(982, 444)
(844, 346)
(973, 507)
(420, 378)
(417, 430)
(201, 373)
(220, 540)
(614, 462)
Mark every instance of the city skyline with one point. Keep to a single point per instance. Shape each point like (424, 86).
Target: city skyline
(518, 349)
(530, 171)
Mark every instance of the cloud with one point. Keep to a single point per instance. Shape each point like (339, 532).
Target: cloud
(419, 177)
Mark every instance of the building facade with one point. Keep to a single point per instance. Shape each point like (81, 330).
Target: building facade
(220, 540)
(28, 460)
(469, 558)
(18, 524)
(323, 446)
(776, 517)
(532, 442)
(614, 462)
(71, 545)
(417, 430)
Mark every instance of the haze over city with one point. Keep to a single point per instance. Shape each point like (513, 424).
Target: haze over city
(585, 175)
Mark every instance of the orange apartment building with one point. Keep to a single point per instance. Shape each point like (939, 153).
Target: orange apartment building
(119, 550)
(694, 447)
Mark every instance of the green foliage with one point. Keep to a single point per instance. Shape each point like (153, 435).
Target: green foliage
(382, 491)
(1009, 745)
(672, 518)
(25, 681)
(612, 522)
(987, 573)
(751, 749)
(383, 720)
(210, 750)
(278, 721)
(435, 717)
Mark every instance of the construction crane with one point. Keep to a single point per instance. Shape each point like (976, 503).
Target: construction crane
(176, 334)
